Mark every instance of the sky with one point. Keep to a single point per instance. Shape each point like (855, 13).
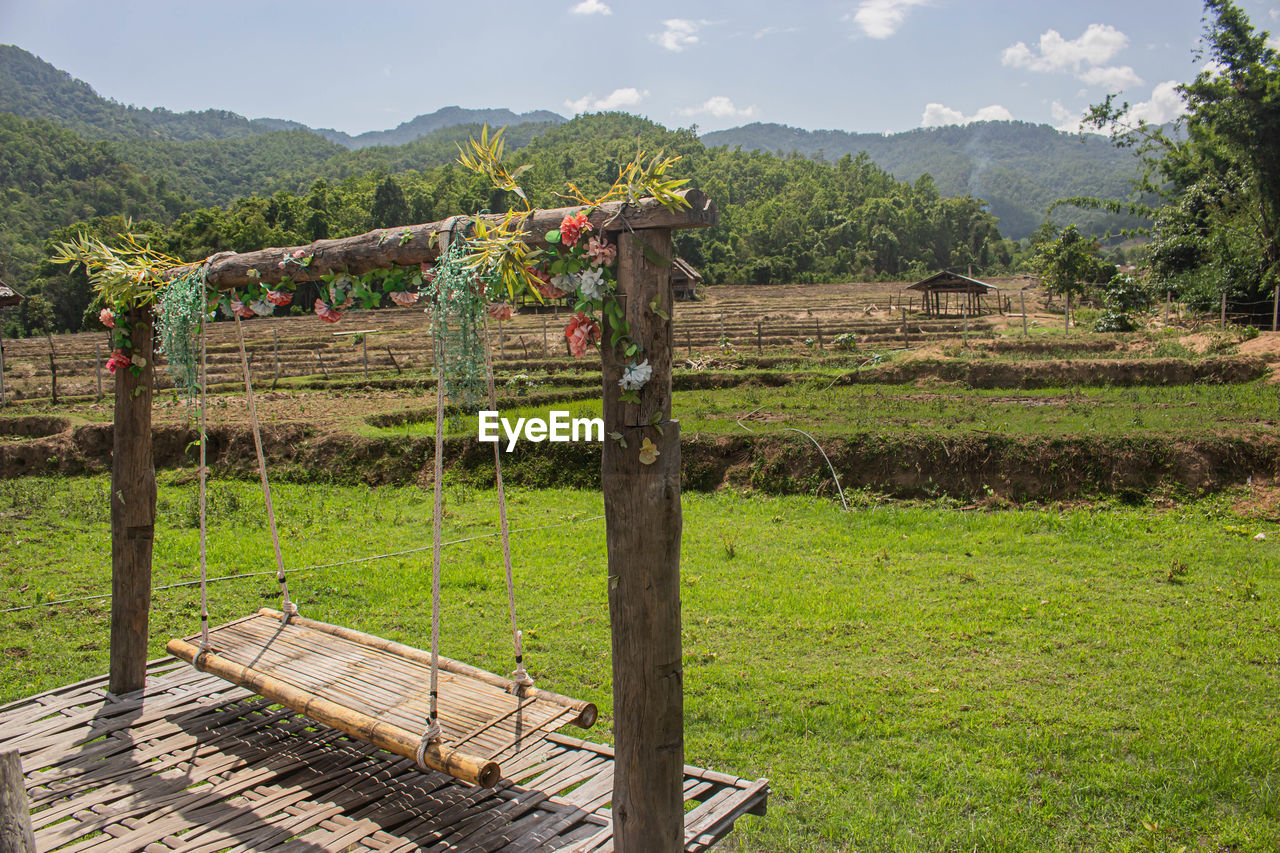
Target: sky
(858, 65)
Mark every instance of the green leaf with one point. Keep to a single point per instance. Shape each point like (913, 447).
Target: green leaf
(553, 237)
(633, 349)
(654, 257)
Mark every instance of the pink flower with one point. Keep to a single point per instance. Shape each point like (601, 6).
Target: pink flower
(403, 297)
(118, 359)
(601, 253)
(582, 331)
(279, 297)
(297, 253)
(542, 284)
(324, 312)
(242, 311)
(500, 311)
(106, 318)
(571, 228)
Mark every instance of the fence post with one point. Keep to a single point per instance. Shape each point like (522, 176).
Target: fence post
(818, 323)
(906, 336)
(364, 353)
(759, 338)
(546, 348)
(964, 312)
(502, 341)
(2, 398)
(1066, 316)
(1168, 300)
(16, 834)
(688, 341)
(1022, 300)
(275, 355)
(97, 370)
(1224, 309)
(1275, 317)
(323, 369)
(53, 372)
(394, 363)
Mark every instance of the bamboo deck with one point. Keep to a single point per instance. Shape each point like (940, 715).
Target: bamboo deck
(192, 763)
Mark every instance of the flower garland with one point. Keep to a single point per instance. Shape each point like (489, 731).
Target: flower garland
(183, 306)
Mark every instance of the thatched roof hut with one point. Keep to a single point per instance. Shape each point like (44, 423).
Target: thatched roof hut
(8, 296)
(685, 280)
(938, 288)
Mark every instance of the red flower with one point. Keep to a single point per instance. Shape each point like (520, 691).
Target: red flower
(118, 359)
(279, 297)
(106, 318)
(243, 311)
(324, 312)
(582, 331)
(542, 284)
(571, 228)
(500, 311)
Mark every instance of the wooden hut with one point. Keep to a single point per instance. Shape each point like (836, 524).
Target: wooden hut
(937, 294)
(8, 296)
(685, 280)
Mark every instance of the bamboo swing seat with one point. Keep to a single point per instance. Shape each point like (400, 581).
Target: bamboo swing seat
(375, 690)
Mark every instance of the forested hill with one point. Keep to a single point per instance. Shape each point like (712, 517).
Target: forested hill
(1016, 167)
(32, 88)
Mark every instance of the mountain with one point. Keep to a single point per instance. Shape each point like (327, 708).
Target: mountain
(32, 88)
(1018, 168)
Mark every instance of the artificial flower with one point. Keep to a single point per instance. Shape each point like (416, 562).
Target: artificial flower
(106, 318)
(571, 228)
(428, 271)
(542, 284)
(565, 282)
(649, 452)
(591, 283)
(500, 311)
(403, 298)
(635, 376)
(262, 307)
(601, 253)
(582, 331)
(324, 312)
(118, 359)
(279, 297)
(241, 310)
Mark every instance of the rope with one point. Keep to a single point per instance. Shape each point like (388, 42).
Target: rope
(287, 607)
(204, 474)
(519, 676)
(433, 720)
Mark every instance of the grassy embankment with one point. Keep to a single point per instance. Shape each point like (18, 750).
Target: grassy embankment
(908, 676)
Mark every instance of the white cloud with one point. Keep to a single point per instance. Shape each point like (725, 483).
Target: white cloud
(882, 18)
(591, 7)
(1096, 45)
(1165, 105)
(1113, 77)
(774, 31)
(627, 97)
(720, 107)
(936, 115)
(1274, 41)
(678, 34)
(1065, 120)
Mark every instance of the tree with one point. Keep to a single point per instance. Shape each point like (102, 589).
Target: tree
(1067, 264)
(1218, 229)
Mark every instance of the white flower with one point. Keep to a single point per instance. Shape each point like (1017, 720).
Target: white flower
(565, 282)
(635, 376)
(591, 283)
(262, 307)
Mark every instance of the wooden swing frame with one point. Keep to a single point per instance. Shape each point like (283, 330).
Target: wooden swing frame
(642, 501)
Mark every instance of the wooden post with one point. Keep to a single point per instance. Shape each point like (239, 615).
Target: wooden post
(688, 341)
(53, 373)
(965, 312)
(133, 512)
(323, 369)
(364, 353)
(16, 834)
(394, 363)
(818, 324)
(906, 336)
(275, 356)
(759, 338)
(643, 525)
(1168, 300)
(2, 396)
(1224, 321)
(502, 341)
(1275, 320)
(97, 370)
(1022, 301)
(546, 349)
(1066, 316)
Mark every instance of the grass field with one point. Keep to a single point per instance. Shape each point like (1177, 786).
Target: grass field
(910, 677)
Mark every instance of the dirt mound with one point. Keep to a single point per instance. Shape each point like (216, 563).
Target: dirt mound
(1059, 374)
(32, 426)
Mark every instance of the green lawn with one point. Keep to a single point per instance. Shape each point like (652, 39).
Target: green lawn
(908, 677)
